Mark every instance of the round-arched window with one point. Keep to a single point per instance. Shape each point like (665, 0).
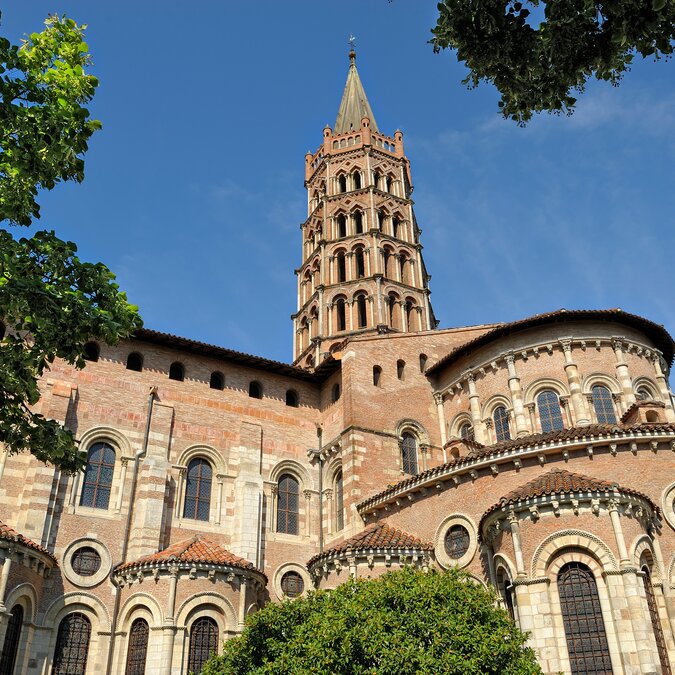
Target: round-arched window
(457, 541)
(292, 584)
(86, 561)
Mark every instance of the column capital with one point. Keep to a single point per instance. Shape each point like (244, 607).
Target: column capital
(308, 494)
(438, 398)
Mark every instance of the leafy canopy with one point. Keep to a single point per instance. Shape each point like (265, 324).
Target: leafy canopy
(404, 622)
(536, 65)
(51, 302)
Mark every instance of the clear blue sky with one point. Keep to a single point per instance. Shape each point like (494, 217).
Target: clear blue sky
(194, 188)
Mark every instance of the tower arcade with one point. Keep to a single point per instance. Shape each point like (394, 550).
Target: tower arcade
(362, 269)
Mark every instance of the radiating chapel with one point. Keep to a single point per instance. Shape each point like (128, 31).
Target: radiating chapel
(537, 455)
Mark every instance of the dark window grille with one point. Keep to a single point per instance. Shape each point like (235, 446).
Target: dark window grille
(292, 398)
(254, 389)
(501, 420)
(643, 394)
(217, 381)
(198, 490)
(203, 643)
(656, 622)
(176, 371)
(362, 314)
(98, 476)
(550, 414)
(288, 505)
(292, 584)
(339, 502)
(457, 541)
(466, 432)
(138, 647)
(72, 645)
(86, 561)
(135, 362)
(409, 454)
(582, 617)
(91, 351)
(602, 402)
(11, 644)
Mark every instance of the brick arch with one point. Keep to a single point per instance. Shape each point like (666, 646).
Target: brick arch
(543, 383)
(25, 595)
(135, 604)
(638, 547)
(207, 602)
(557, 542)
(217, 458)
(296, 470)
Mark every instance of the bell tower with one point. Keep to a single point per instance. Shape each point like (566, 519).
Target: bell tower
(362, 269)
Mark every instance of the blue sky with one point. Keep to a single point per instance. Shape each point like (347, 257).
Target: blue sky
(194, 188)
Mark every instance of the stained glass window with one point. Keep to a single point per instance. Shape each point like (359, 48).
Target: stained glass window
(457, 541)
(288, 505)
(501, 420)
(85, 561)
(550, 414)
(292, 584)
(198, 490)
(98, 476)
(409, 453)
(582, 617)
(602, 402)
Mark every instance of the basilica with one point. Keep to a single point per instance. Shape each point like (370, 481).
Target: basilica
(538, 455)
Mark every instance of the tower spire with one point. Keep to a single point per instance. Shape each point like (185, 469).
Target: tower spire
(354, 105)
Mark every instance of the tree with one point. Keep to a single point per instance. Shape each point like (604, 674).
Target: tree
(537, 65)
(51, 302)
(404, 622)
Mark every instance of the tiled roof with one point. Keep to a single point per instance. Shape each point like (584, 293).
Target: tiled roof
(648, 403)
(609, 431)
(376, 536)
(9, 534)
(197, 549)
(560, 481)
(656, 332)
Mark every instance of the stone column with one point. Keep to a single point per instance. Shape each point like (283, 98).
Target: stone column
(124, 461)
(533, 418)
(350, 306)
(169, 625)
(488, 430)
(328, 510)
(574, 382)
(622, 373)
(220, 478)
(474, 403)
(308, 512)
(321, 311)
(565, 405)
(241, 619)
(404, 317)
(440, 410)
(663, 388)
(613, 508)
(516, 397)
(514, 526)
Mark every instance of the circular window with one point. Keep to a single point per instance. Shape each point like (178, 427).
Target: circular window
(85, 561)
(457, 541)
(292, 584)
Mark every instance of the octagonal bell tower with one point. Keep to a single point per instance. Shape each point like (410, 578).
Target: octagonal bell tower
(362, 269)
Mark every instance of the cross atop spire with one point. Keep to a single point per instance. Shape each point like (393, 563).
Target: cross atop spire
(354, 106)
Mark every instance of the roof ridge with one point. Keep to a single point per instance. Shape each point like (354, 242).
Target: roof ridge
(354, 105)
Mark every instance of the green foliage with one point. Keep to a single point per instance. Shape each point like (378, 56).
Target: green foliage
(51, 301)
(403, 622)
(537, 67)
(44, 127)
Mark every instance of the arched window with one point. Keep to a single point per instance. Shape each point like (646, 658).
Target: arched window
(360, 263)
(395, 222)
(341, 226)
(466, 432)
(98, 476)
(217, 380)
(358, 222)
(177, 371)
(582, 617)
(72, 645)
(335, 395)
(400, 369)
(197, 503)
(12, 637)
(340, 312)
(203, 643)
(339, 502)
(137, 650)
(341, 267)
(342, 183)
(362, 315)
(254, 389)
(501, 420)
(292, 398)
(409, 454)
(401, 263)
(288, 505)
(356, 180)
(602, 402)
(408, 313)
(423, 362)
(643, 394)
(91, 351)
(550, 414)
(506, 590)
(377, 376)
(380, 220)
(654, 616)
(135, 362)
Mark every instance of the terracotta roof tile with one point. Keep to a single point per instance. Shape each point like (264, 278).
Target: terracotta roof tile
(531, 441)
(198, 549)
(376, 536)
(656, 332)
(560, 481)
(9, 534)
